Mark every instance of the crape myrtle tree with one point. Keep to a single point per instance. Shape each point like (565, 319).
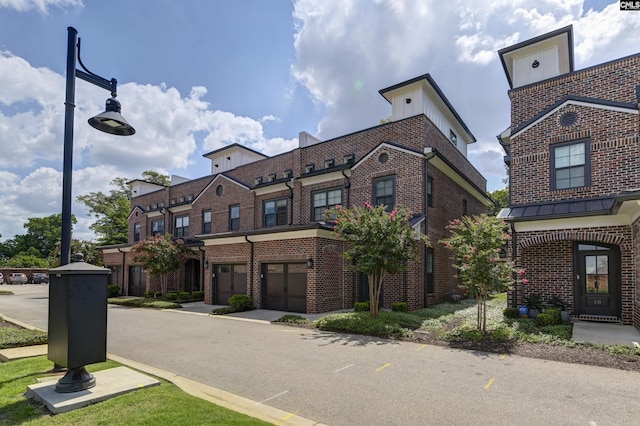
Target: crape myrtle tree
(476, 243)
(380, 242)
(160, 255)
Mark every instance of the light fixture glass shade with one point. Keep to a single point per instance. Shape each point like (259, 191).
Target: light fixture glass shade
(111, 121)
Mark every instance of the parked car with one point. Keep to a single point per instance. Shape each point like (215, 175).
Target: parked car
(1, 278)
(39, 278)
(17, 278)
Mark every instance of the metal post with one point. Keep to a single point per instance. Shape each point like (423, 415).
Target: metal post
(67, 165)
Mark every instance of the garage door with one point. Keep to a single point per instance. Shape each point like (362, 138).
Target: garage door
(227, 281)
(285, 286)
(137, 281)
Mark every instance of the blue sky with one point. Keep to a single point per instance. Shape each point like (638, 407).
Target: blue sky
(198, 75)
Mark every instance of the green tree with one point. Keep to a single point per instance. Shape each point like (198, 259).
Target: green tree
(380, 242)
(112, 210)
(157, 178)
(160, 255)
(475, 242)
(28, 259)
(501, 198)
(43, 234)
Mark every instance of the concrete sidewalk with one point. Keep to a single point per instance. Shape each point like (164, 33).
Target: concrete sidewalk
(601, 333)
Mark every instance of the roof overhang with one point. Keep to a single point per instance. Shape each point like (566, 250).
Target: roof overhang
(620, 210)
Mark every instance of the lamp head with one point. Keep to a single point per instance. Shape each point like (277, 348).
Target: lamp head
(110, 121)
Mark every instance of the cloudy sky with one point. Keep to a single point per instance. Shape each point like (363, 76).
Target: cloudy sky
(198, 75)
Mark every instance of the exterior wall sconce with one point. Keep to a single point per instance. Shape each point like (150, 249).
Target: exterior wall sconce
(310, 263)
(206, 264)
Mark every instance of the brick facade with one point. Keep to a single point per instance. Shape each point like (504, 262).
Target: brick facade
(603, 101)
(329, 283)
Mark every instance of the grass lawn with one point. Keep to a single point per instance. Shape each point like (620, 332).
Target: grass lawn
(14, 337)
(160, 405)
(143, 303)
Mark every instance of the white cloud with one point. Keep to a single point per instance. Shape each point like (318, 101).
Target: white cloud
(171, 131)
(41, 6)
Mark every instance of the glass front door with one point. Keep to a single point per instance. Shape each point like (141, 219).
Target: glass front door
(598, 282)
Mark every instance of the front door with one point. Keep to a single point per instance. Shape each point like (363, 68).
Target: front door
(598, 281)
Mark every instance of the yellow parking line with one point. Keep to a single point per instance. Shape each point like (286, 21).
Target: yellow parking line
(383, 367)
(287, 417)
(421, 347)
(489, 384)
(503, 356)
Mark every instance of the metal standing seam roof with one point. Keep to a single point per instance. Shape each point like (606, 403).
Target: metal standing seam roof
(569, 208)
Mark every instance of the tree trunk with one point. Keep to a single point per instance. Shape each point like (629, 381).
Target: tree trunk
(375, 285)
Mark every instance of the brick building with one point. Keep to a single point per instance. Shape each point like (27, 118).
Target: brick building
(256, 225)
(573, 150)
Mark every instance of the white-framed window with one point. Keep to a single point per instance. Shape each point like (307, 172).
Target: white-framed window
(570, 165)
(182, 227)
(321, 201)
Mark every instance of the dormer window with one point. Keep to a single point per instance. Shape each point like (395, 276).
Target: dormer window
(348, 159)
(182, 199)
(161, 204)
(148, 208)
(155, 206)
(258, 180)
(329, 163)
(271, 177)
(309, 168)
(453, 137)
(288, 174)
(173, 201)
(190, 197)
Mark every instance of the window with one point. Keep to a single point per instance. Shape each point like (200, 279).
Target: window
(136, 232)
(309, 168)
(429, 270)
(271, 177)
(570, 165)
(258, 180)
(429, 191)
(275, 212)
(157, 227)
(453, 137)
(234, 217)
(329, 163)
(206, 222)
(321, 201)
(348, 159)
(182, 226)
(384, 192)
(288, 174)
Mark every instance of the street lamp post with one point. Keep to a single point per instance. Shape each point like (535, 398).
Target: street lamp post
(77, 311)
(109, 121)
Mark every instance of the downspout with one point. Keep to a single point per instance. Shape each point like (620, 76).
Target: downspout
(202, 266)
(124, 254)
(347, 188)
(291, 201)
(514, 255)
(250, 266)
(429, 153)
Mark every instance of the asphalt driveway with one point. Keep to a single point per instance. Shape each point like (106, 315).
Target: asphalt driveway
(351, 380)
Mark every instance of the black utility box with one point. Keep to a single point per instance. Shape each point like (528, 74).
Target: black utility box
(78, 314)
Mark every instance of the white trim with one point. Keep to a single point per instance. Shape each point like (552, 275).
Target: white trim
(577, 103)
(133, 211)
(180, 208)
(154, 213)
(325, 177)
(389, 146)
(271, 188)
(217, 240)
(116, 250)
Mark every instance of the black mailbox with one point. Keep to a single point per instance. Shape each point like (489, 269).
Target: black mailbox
(77, 321)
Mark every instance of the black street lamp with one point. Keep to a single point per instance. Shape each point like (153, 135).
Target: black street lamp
(109, 121)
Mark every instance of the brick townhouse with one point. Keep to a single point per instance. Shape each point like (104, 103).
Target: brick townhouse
(256, 225)
(573, 151)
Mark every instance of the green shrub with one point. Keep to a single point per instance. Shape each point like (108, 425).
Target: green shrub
(293, 319)
(157, 294)
(361, 307)
(148, 294)
(113, 290)
(555, 314)
(198, 295)
(172, 295)
(223, 311)
(400, 307)
(544, 319)
(184, 295)
(386, 324)
(241, 302)
(511, 312)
